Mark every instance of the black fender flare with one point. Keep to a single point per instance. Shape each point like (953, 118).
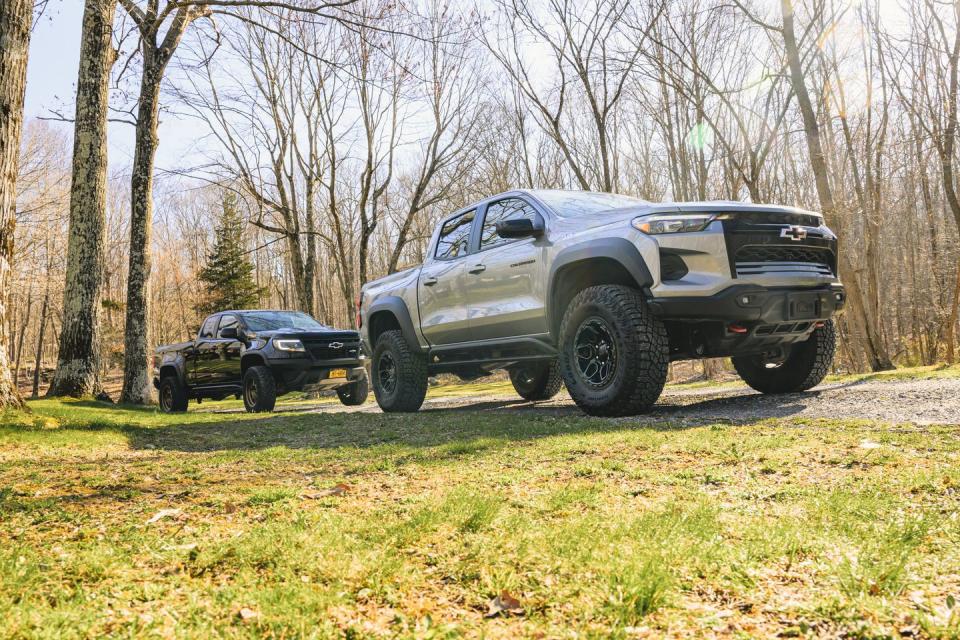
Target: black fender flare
(619, 250)
(395, 306)
(177, 366)
(255, 357)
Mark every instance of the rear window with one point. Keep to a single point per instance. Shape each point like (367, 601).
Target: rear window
(454, 238)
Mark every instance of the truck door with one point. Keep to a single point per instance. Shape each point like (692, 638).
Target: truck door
(206, 356)
(506, 277)
(440, 290)
(227, 365)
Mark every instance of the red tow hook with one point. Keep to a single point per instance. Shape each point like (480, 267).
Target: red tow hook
(737, 328)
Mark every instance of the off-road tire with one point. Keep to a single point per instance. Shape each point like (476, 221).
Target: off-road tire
(405, 394)
(173, 395)
(259, 390)
(806, 365)
(641, 351)
(537, 381)
(355, 393)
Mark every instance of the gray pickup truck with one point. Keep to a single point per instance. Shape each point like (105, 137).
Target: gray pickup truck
(599, 292)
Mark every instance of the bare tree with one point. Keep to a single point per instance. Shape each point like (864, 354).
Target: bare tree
(16, 17)
(161, 25)
(78, 363)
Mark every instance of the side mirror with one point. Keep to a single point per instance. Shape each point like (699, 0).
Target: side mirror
(520, 228)
(229, 333)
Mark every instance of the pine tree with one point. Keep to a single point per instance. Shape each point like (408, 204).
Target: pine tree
(228, 275)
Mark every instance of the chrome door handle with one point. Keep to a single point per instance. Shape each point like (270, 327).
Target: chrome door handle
(478, 268)
(429, 282)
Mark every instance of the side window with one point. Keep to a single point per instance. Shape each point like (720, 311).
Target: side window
(455, 237)
(226, 321)
(209, 327)
(503, 210)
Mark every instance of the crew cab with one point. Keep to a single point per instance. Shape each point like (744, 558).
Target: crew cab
(259, 355)
(599, 292)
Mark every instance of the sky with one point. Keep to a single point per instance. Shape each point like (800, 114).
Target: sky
(51, 80)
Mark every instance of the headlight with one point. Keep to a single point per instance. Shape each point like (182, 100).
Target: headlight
(288, 345)
(672, 223)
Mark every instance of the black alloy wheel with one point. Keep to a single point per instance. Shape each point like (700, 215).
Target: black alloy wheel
(596, 352)
(387, 373)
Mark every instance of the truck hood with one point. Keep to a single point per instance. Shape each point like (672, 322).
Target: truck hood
(625, 214)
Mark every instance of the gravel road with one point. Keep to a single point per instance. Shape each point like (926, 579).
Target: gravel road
(929, 401)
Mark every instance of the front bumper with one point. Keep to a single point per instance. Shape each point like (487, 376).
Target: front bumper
(747, 303)
(745, 319)
(295, 374)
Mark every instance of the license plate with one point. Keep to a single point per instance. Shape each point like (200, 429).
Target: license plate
(337, 373)
(804, 307)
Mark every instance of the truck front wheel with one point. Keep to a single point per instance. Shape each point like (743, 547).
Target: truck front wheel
(259, 390)
(614, 353)
(399, 374)
(173, 396)
(355, 393)
(802, 366)
(537, 381)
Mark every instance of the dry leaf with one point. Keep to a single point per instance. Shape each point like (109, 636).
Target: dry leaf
(504, 603)
(247, 614)
(336, 490)
(176, 514)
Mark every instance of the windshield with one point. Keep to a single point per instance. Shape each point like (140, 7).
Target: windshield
(578, 203)
(273, 320)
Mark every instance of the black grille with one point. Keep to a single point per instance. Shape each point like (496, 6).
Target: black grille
(775, 253)
(323, 349)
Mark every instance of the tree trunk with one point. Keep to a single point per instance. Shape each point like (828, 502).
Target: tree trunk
(16, 17)
(40, 335)
(23, 334)
(136, 357)
(876, 353)
(77, 372)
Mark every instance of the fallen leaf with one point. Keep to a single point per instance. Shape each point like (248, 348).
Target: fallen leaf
(504, 603)
(336, 490)
(247, 614)
(176, 514)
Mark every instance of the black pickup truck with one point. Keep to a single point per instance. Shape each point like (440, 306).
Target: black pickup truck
(259, 355)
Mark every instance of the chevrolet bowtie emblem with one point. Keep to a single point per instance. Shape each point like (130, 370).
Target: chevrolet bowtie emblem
(795, 233)
(336, 345)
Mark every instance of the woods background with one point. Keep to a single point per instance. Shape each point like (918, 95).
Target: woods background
(345, 130)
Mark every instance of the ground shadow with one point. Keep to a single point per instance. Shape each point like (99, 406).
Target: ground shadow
(502, 419)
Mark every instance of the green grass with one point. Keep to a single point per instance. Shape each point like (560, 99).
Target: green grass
(606, 528)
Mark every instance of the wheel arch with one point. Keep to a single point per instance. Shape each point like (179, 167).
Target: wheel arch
(391, 313)
(596, 262)
(251, 360)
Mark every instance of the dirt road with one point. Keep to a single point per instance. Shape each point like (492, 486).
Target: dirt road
(921, 401)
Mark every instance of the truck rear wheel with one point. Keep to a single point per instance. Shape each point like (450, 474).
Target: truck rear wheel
(355, 393)
(613, 352)
(399, 374)
(537, 381)
(803, 366)
(259, 390)
(173, 395)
